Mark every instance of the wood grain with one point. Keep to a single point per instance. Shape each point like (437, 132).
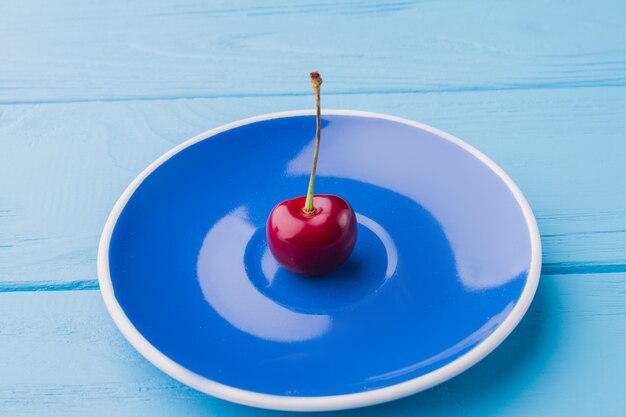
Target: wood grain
(60, 354)
(119, 50)
(64, 165)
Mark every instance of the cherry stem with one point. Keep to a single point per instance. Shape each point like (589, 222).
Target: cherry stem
(316, 82)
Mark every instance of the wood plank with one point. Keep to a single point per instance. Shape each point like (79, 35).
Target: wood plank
(119, 50)
(61, 355)
(62, 167)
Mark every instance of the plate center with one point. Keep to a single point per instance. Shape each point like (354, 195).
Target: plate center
(370, 266)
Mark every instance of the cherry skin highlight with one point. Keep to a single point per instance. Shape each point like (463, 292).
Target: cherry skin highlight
(312, 243)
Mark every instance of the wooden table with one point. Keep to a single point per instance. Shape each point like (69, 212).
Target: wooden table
(91, 92)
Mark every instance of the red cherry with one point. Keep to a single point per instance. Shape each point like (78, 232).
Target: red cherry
(315, 234)
(315, 243)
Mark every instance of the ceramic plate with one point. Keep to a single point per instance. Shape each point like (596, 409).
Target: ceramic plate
(446, 263)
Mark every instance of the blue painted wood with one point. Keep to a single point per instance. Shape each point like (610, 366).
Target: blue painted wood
(62, 355)
(64, 165)
(91, 92)
(119, 50)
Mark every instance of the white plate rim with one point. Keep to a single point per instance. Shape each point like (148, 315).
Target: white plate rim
(331, 402)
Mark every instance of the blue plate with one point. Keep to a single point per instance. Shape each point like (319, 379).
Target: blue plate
(446, 263)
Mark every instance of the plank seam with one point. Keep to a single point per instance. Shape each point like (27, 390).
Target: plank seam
(460, 89)
(560, 268)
